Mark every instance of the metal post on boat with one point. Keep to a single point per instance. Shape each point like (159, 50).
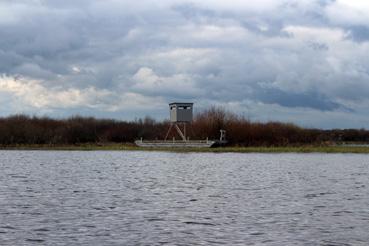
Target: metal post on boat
(222, 136)
(141, 140)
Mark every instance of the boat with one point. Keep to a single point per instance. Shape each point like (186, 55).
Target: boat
(175, 143)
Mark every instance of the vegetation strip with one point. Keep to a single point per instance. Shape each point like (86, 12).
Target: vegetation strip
(123, 147)
(22, 130)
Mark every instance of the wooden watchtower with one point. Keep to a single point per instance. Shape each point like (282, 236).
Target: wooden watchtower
(181, 114)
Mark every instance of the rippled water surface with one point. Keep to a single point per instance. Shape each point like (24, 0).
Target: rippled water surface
(155, 198)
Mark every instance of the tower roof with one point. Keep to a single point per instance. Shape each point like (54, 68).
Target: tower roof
(180, 103)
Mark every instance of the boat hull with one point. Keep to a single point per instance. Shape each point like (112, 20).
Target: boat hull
(175, 144)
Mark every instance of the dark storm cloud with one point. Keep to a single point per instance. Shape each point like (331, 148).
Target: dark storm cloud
(359, 33)
(308, 99)
(113, 57)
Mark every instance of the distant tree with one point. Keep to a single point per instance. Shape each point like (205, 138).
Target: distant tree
(23, 129)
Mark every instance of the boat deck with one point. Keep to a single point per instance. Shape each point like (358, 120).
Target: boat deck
(175, 143)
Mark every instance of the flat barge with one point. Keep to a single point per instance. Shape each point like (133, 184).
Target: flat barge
(175, 144)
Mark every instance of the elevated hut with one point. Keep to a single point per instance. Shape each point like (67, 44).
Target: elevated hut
(181, 114)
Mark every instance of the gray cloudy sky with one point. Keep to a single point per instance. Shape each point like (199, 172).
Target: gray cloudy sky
(301, 61)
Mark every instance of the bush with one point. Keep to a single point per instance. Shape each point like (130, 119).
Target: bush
(22, 129)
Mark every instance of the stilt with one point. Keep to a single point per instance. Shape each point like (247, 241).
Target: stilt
(180, 132)
(170, 128)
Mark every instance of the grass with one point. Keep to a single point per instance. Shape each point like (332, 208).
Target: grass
(131, 147)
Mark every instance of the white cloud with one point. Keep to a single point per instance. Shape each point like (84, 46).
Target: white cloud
(239, 5)
(349, 12)
(319, 34)
(76, 69)
(135, 101)
(146, 80)
(35, 94)
(181, 60)
(214, 33)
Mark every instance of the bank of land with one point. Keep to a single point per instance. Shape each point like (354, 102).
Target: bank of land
(130, 147)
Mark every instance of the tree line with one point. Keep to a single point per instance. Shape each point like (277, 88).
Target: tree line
(27, 130)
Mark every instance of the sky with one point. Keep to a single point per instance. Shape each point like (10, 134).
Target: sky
(299, 61)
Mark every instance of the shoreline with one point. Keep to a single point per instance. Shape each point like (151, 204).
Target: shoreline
(234, 149)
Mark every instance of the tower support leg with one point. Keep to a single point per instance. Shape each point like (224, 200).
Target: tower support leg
(180, 133)
(170, 128)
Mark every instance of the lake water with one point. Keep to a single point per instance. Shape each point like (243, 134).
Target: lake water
(158, 198)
